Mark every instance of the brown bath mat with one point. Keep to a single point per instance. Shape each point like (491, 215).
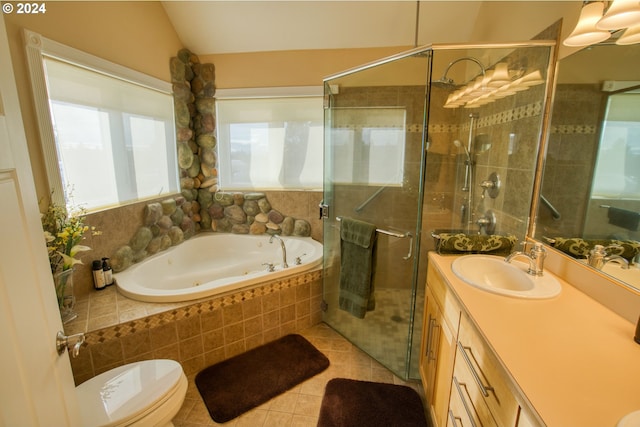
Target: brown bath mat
(236, 385)
(351, 403)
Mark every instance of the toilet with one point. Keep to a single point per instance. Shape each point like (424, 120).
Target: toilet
(147, 393)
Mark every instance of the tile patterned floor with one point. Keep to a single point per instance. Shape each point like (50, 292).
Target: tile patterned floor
(300, 406)
(384, 332)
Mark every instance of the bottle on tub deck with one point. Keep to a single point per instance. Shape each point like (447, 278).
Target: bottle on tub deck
(98, 275)
(108, 272)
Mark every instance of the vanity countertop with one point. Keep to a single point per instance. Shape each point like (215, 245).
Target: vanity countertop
(574, 359)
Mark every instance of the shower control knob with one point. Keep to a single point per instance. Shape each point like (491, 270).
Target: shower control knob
(492, 185)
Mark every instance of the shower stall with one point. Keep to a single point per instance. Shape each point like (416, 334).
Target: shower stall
(443, 137)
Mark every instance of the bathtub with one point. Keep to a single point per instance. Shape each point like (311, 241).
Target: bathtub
(215, 263)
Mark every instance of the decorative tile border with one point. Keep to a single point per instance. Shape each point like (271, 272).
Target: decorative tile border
(206, 306)
(574, 129)
(502, 117)
(507, 116)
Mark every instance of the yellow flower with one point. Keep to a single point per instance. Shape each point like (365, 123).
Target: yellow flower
(63, 232)
(70, 260)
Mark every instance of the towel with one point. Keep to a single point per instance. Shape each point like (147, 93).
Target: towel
(579, 248)
(456, 243)
(624, 218)
(357, 265)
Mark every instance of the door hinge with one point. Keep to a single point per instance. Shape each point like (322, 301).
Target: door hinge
(324, 210)
(324, 306)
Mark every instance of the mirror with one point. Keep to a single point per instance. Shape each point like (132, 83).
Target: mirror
(590, 192)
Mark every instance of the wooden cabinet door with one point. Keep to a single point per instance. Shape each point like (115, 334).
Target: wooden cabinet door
(428, 359)
(439, 403)
(436, 359)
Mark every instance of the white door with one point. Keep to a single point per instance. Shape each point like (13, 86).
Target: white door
(37, 386)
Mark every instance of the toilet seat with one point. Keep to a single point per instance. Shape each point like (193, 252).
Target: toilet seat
(124, 395)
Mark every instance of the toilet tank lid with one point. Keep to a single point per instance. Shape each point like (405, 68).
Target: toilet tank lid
(126, 391)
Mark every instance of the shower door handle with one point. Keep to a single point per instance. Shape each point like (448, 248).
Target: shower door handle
(410, 236)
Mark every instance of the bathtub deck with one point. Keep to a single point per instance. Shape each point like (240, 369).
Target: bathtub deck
(108, 307)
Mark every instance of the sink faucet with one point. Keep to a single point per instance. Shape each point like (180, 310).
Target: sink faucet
(535, 256)
(598, 257)
(284, 250)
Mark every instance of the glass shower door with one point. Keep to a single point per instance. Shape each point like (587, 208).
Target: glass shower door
(373, 167)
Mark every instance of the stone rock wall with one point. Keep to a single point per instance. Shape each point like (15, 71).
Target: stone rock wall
(200, 207)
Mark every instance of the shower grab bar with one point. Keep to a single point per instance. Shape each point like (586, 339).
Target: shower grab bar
(370, 199)
(394, 234)
(554, 212)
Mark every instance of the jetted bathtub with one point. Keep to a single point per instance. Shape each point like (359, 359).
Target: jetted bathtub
(215, 263)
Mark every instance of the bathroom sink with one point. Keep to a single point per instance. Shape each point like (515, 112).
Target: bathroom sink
(629, 275)
(492, 274)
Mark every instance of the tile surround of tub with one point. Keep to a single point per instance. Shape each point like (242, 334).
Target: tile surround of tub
(119, 330)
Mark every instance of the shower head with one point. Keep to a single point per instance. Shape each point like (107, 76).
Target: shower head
(446, 83)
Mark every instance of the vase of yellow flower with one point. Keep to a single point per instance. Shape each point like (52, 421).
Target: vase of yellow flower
(63, 281)
(64, 230)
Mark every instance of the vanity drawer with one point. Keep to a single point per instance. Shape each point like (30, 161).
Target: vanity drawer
(464, 387)
(487, 377)
(444, 298)
(461, 410)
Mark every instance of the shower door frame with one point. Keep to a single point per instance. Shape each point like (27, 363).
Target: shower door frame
(419, 263)
(331, 222)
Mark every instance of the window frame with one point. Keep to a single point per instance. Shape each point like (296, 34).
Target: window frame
(37, 49)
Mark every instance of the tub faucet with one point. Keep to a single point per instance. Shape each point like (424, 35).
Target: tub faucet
(598, 257)
(536, 257)
(284, 250)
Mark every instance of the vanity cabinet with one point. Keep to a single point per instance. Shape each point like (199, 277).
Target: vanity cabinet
(440, 330)
(480, 382)
(465, 384)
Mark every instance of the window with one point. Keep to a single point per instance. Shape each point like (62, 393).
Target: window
(108, 132)
(272, 142)
(368, 145)
(617, 172)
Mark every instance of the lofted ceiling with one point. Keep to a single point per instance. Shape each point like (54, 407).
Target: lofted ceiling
(217, 27)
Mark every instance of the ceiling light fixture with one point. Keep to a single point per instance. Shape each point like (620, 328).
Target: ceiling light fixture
(585, 32)
(630, 36)
(621, 14)
(595, 25)
(495, 84)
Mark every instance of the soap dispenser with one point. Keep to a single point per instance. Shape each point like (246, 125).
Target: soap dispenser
(108, 272)
(98, 275)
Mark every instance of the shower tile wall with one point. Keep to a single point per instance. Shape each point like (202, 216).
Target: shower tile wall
(571, 156)
(512, 127)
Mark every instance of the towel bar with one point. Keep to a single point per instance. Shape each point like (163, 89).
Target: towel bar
(394, 234)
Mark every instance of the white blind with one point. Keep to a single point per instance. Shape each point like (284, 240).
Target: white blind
(77, 85)
(270, 143)
(115, 140)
